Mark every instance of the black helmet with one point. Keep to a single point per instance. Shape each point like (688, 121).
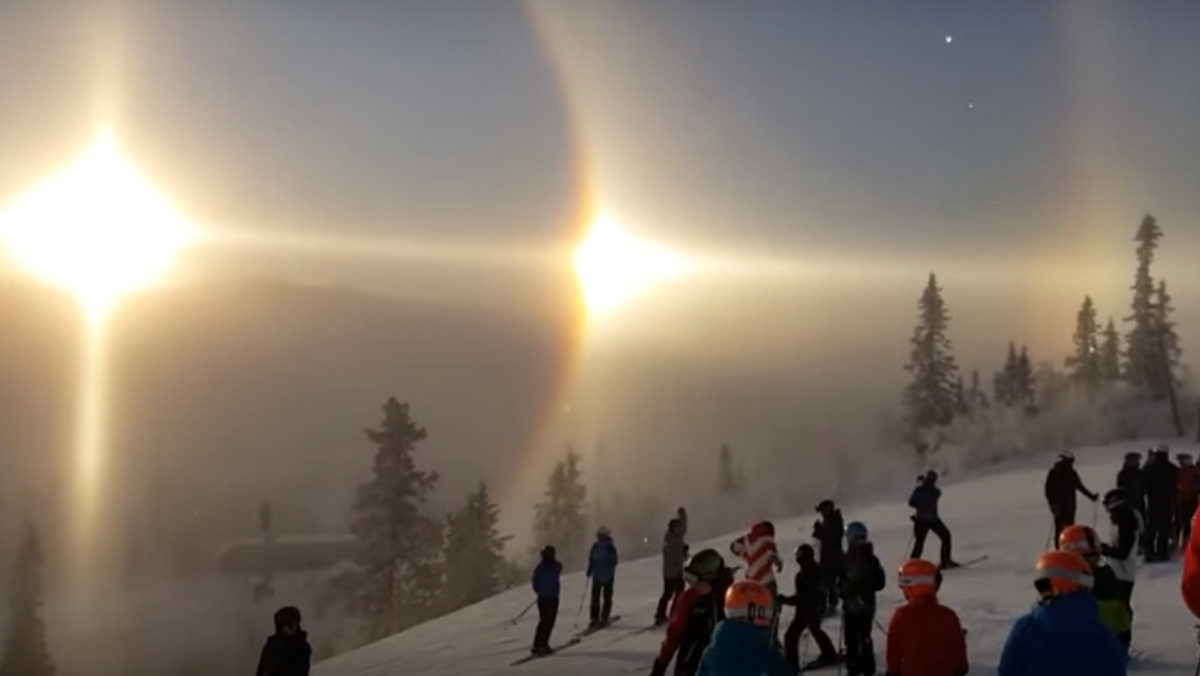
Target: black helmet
(705, 564)
(1115, 498)
(287, 616)
(548, 553)
(825, 506)
(1133, 457)
(805, 552)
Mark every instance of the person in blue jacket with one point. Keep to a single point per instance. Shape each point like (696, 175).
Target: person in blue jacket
(546, 586)
(741, 643)
(924, 501)
(602, 569)
(1063, 634)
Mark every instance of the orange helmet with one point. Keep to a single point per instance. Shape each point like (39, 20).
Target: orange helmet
(919, 579)
(748, 601)
(1060, 572)
(1079, 539)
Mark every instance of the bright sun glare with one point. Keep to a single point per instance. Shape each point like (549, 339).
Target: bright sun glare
(96, 230)
(614, 266)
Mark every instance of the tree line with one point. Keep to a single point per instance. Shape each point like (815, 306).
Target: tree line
(1148, 362)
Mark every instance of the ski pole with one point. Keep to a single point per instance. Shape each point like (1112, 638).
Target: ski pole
(582, 597)
(882, 628)
(521, 614)
(1095, 513)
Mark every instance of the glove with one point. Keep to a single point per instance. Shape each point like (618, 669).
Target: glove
(778, 566)
(659, 669)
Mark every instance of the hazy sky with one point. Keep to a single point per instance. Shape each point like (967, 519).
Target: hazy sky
(834, 152)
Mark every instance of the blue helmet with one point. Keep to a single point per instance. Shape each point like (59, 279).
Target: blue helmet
(856, 531)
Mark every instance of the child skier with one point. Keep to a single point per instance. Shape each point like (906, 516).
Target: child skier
(757, 548)
(1121, 552)
(286, 652)
(1063, 634)
(741, 643)
(864, 579)
(696, 614)
(602, 569)
(924, 637)
(1106, 589)
(546, 585)
(809, 600)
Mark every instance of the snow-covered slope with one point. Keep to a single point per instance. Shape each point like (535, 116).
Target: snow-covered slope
(1001, 514)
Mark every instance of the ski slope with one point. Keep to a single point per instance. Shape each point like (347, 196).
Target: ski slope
(1001, 513)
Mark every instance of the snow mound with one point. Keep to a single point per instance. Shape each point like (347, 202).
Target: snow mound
(1002, 515)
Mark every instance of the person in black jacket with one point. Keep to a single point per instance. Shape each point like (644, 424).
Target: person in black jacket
(828, 532)
(924, 500)
(809, 600)
(1161, 478)
(864, 579)
(1062, 482)
(286, 652)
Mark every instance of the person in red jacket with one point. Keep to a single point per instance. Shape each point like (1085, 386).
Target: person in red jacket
(1187, 491)
(924, 638)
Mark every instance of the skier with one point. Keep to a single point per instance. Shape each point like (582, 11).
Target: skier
(1161, 477)
(1129, 479)
(1063, 634)
(1185, 498)
(1062, 482)
(741, 643)
(828, 532)
(286, 652)
(1106, 589)
(1189, 583)
(674, 554)
(757, 548)
(809, 599)
(924, 637)
(602, 569)
(1121, 551)
(864, 579)
(924, 500)
(546, 586)
(696, 614)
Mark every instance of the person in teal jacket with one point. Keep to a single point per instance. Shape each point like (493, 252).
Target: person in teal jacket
(741, 643)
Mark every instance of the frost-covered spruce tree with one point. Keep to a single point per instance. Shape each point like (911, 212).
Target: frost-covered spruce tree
(1005, 383)
(1109, 362)
(399, 546)
(25, 649)
(727, 480)
(976, 397)
(1084, 360)
(475, 564)
(560, 519)
(1024, 385)
(1168, 341)
(930, 399)
(1143, 366)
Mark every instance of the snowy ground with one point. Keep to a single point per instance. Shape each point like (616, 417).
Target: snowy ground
(1002, 515)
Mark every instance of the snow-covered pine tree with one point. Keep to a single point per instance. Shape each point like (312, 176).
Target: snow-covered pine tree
(1143, 361)
(727, 481)
(475, 564)
(399, 546)
(930, 399)
(1109, 363)
(1004, 384)
(976, 397)
(1024, 385)
(1168, 340)
(1084, 361)
(25, 649)
(560, 520)
(961, 404)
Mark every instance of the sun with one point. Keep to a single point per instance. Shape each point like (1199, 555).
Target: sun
(614, 266)
(97, 230)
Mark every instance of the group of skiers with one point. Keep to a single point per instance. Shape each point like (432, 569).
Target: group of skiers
(717, 626)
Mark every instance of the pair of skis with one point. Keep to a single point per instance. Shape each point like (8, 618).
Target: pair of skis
(579, 636)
